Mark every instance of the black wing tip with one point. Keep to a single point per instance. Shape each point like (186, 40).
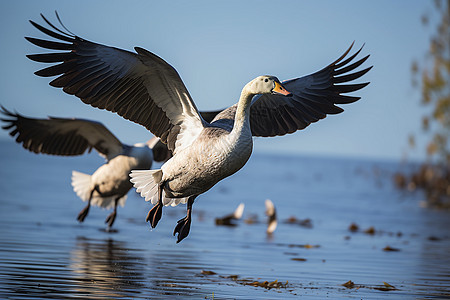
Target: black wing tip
(58, 33)
(10, 123)
(31, 56)
(8, 113)
(346, 52)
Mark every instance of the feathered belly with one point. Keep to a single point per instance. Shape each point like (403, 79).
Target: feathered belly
(199, 169)
(113, 178)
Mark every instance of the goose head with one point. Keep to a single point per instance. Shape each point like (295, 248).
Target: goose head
(266, 85)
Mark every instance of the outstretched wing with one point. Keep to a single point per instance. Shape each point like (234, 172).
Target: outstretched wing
(58, 136)
(313, 97)
(140, 87)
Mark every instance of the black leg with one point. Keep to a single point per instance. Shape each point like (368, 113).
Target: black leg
(154, 215)
(184, 225)
(84, 212)
(112, 217)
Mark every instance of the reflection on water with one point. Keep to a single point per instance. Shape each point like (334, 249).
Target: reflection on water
(45, 253)
(106, 268)
(111, 269)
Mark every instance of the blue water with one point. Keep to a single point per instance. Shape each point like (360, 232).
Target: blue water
(46, 253)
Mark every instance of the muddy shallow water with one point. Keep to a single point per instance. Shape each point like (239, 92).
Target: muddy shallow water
(397, 249)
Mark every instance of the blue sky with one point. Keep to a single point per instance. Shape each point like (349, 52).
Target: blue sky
(218, 46)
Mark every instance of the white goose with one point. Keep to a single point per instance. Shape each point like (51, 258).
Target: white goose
(145, 89)
(108, 186)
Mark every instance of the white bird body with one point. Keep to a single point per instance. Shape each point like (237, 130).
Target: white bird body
(215, 155)
(111, 180)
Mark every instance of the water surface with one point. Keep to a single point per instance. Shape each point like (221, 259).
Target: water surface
(46, 253)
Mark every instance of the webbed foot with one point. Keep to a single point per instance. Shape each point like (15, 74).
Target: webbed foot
(83, 213)
(110, 219)
(182, 228)
(154, 215)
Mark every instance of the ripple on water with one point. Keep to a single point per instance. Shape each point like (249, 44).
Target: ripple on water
(45, 253)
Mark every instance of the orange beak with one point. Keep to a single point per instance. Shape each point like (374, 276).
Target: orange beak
(279, 89)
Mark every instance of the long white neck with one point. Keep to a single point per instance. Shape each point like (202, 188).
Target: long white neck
(242, 118)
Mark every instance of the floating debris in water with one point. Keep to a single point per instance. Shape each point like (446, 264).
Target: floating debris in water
(232, 277)
(388, 285)
(264, 284)
(304, 223)
(298, 259)
(353, 227)
(385, 287)
(271, 213)
(349, 284)
(389, 248)
(306, 246)
(370, 230)
(205, 272)
(252, 282)
(236, 215)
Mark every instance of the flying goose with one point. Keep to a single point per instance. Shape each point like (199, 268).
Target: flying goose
(228, 219)
(271, 214)
(145, 89)
(108, 186)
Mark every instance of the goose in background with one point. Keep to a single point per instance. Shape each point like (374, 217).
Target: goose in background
(228, 219)
(271, 214)
(145, 89)
(108, 186)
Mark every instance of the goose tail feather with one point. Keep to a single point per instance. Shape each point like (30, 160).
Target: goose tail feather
(146, 183)
(81, 184)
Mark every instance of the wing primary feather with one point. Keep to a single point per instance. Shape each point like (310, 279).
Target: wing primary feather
(64, 37)
(56, 69)
(62, 24)
(51, 57)
(351, 67)
(343, 63)
(56, 28)
(347, 88)
(342, 56)
(343, 99)
(49, 44)
(350, 77)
